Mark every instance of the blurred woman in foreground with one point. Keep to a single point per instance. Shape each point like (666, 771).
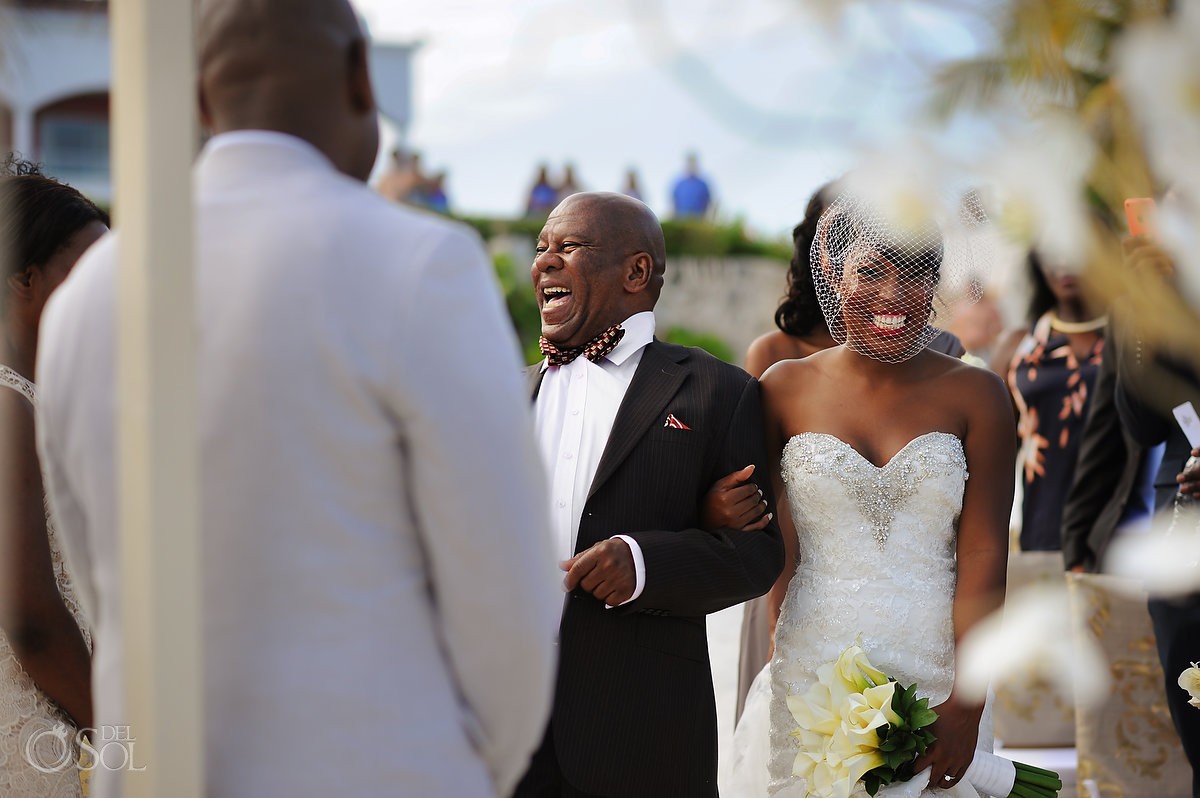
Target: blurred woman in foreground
(45, 683)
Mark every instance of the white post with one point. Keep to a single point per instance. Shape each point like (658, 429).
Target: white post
(154, 135)
(22, 132)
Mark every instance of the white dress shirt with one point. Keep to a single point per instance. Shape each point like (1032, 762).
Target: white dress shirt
(574, 414)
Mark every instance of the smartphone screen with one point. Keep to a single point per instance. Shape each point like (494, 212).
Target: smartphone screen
(1139, 214)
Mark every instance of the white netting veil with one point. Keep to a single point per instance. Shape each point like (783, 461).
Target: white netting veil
(881, 282)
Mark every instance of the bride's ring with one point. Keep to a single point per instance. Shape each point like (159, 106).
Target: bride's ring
(947, 777)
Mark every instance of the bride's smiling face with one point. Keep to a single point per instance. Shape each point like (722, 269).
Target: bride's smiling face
(887, 298)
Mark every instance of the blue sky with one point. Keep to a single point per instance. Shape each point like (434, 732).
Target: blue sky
(773, 96)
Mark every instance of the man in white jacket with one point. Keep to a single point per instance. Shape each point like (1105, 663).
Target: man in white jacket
(380, 595)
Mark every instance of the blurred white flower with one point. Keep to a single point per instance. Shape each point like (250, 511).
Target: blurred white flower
(1158, 66)
(1032, 634)
(1179, 228)
(1034, 187)
(1163, 561)
(906, 182)
(1190, 680)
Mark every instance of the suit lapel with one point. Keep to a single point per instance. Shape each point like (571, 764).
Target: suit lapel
(656, 381)
(533, 379)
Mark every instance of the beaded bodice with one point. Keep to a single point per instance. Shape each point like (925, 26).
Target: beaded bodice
(876, 552)
(877, 491)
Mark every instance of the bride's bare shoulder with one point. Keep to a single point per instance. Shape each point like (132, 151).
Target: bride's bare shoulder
(787, 373)
(977, 389)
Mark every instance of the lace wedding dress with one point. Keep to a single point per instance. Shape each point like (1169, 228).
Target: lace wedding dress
(31, 726)
(877, 564)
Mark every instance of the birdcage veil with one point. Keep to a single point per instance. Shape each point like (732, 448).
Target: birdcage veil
(881, 280)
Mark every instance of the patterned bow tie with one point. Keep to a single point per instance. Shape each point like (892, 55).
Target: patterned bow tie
(593, 350)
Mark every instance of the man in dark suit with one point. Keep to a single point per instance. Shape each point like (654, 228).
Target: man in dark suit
(634, 431)
(1112, 487)
(1149, 384)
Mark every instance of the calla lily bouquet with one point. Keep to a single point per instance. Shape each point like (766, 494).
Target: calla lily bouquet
(857, 727)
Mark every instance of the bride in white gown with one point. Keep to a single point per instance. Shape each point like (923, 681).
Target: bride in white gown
(896, 462)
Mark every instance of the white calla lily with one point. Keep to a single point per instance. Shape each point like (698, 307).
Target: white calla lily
(1032, 633)
(1158, 65)
(1036, 180)
(1163, 562)
(856, 669)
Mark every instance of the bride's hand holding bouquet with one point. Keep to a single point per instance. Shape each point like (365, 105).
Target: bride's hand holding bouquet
(956, 732)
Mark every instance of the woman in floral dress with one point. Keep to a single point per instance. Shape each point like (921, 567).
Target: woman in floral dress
(1051, 370)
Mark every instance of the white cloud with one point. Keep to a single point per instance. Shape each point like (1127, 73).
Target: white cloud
(771, 101)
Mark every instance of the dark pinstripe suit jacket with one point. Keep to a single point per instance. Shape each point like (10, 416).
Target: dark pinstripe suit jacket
(634, 714)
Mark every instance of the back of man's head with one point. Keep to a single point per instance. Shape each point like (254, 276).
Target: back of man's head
(293, 66)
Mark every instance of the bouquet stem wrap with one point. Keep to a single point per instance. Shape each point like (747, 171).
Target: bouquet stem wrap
(992, 774)
(1003, 778)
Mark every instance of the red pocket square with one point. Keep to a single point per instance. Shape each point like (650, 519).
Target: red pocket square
(674, 423)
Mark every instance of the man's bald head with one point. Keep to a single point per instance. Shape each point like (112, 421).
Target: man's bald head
(627, 221)
(600, 259)
(293, 66)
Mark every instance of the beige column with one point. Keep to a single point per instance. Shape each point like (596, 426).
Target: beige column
(22, 131)
(153, 144)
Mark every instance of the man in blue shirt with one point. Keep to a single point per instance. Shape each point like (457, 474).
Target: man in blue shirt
(690, 195)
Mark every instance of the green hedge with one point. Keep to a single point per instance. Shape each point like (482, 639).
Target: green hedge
(522, 304)
(527, 321)
(710, 343)
(695, 238)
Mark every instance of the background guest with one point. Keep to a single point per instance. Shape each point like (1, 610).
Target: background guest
(632, 187)
(403, 176)
(1113, 484)
(1150, 384)
(1050, 370)
(570, 183)
(691, 197)
(543, 194)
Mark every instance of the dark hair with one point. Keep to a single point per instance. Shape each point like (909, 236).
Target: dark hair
(800, 313)
(40, 216)
(1041, 298)
(15, 167)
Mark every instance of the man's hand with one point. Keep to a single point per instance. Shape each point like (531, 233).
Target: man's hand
(605, 570)
(734, 502)
(1189, 478)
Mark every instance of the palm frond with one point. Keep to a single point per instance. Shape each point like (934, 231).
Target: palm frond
(968, 84)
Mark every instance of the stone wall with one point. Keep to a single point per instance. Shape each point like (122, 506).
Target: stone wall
(733, 298)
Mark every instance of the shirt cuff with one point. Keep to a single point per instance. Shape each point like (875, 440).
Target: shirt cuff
(639, 567)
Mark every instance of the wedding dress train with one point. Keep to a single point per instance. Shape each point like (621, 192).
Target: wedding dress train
(876, 554)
